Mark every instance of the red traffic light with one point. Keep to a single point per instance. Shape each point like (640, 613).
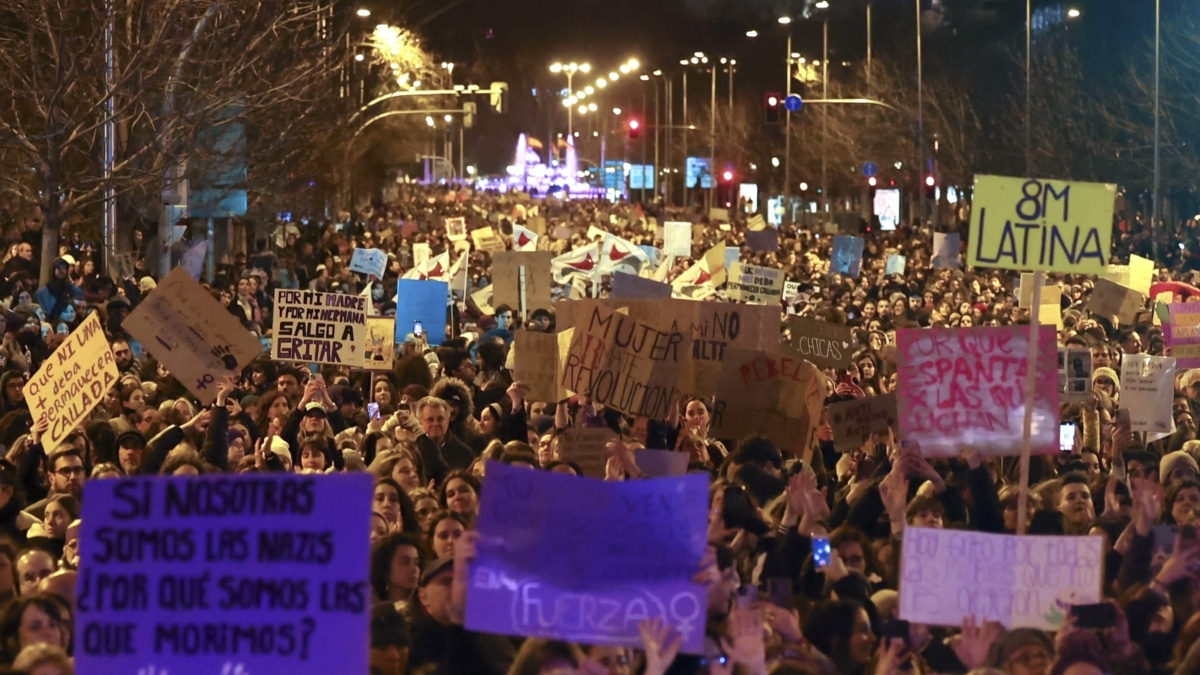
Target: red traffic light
(930, 181)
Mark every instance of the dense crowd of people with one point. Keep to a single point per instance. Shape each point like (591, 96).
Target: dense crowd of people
(427, 428)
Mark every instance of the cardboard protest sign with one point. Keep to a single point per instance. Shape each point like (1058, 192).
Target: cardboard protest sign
(854, 421)
(487, 239)
(661, 463)
(945, 250)
(847, 255)
(535, 359)
(193, 574)
(754, 284)
(626, 364)
(380, 350)
(1138, 274)
(1050, 307)
(191, 334)
(779, 396)
(1025, 291)
(959, 387)
(625, 285)
(421, 254)
(562, 232)
(1021, 582)
(424, 302)
(1074, 374)
(1115, 301)
(790, 290)
(587, 447)
(537, 224)
(314, 327)
(72, 380)
(763, 241)
(369, 261)
(677, 239)
(732, 255)
(506, 280)
(1032, 224)
(824, 344)
(456, 229)
(1147, 388)
(756, 223)
(559, 539)
(895, 264)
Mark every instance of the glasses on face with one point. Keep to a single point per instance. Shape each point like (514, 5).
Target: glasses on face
(69, 471)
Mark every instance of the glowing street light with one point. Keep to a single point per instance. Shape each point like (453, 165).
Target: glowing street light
(823, 4)
(363, 12)
(359, 57)
(751, 33)
(590, 90)
(785, 20)
(429, 120)
(591, 107)
(601, 83)
(448, 118)
(616, 111)
(613, 77)
(569, 69)
(1073, 13)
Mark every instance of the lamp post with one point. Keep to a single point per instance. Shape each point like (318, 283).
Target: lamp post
(569, 69)
(1157, 132)
(787, 127)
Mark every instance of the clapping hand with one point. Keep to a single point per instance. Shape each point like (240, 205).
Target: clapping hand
(661, 643)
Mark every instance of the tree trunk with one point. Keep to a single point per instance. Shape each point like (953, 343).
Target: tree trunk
(51, 234)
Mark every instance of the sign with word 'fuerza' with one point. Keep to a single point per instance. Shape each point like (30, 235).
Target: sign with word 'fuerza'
(961, 387)
(586, 560)
(1048, 225)
(249, 574)
(1021, 582)
(314, 327)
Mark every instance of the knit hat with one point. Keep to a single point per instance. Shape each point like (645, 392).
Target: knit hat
(280, 447)
(1110, 374)
(1010, 641)
(1175, 460)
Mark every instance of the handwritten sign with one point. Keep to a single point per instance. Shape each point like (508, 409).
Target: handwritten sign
(192, 334)
(1182, 333)
(626, 364)
(962, 387)
(456, 229)
(380, 350)
(313, 327)
(1147, 388)
(421, 254)
(1114, 301)
(756, 223)
(677, 239)
(755, 284)
(1074, 374)
(200, 575)
(535, 358)
(369, 261)
(854, 421)
(424, 302)
(1032, 224)
(824, 344)
(487, 239)
(779, 396)
(587, 447)
(847, 255)
(1138, 274)
(1021, 582)
(72, 380)
(506, 279)
(632, 286)
(895, 264)
(586, 560)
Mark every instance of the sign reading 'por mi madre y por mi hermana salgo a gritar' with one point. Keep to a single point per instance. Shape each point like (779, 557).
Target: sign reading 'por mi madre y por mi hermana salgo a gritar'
(1035, 224)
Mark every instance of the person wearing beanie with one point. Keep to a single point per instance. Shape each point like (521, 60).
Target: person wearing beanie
(1021, 650)
(1106, 380)
(1176, 467)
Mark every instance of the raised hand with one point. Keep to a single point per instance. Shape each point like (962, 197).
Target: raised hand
(745, 641)
(661, 645)
(972, 645)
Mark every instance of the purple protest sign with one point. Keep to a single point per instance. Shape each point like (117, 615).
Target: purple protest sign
(585, 560)
(255, 573)
(1182, 334)
(960, 387)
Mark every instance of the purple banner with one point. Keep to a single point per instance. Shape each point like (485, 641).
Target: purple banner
(586, 560)
(255, 574)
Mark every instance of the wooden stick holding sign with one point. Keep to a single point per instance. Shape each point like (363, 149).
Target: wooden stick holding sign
(521, 295)
(1031, 359)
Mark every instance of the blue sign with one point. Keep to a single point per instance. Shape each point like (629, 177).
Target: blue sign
(614, 175)
(424, 301)
(847, 255)
(258, 573)
(793, 103)
(641, 177)
(699, 172)
(869, 169)
(582, 559)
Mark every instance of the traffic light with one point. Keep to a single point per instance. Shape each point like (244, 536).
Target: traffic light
(635, 128)
(469, 110)
(872, 181)
(499, 96)
(774, 105)
(727, 176)
(930, 187)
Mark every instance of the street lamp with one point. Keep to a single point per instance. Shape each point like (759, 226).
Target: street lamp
(569, 69)
(1073, 13)
(785, 20)
(363, 12)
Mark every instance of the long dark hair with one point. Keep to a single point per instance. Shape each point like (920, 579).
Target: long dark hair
(381, 559)
(830, 629)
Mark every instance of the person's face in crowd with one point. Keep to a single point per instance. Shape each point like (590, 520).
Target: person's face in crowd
(1186, 507)
(146, 418)
(899, 307)
(136, 401)
(258, 377)
(967, 321)
(56, 519)
(122, 354)
(33, 566)
(445, 532)
(465, 371)
(427, 508)
(1091, 464)
(1075, 503)
(697, 418)
(434, 421)
(383, 393)
(349, 409)
(927, 518)
(312, 459)
(868, 312)
(1137, 469)
(280, 408)
(487, 422)
(875, 340)
(866, 368)
(60, 270)
(288, 384)
(1100, 358)
(237, 450)
(914, 302)
(461, 497)
(545, 449)
(883, 308)
(537, 408)
(14, 389)
(435, 597)
(25, 251)
(387, 502)
(928, 298)
(379, 527)
(130, 458)
(405, 473)
(389, 659)
(405, 571)
(503, 320)
(37, 628)
(1181, 473)
(615, 660)
(24, 298)
(162, 372)
(67, 476)
(312, 423)
(1028, 660)
(852, 554)
(1104, 385)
